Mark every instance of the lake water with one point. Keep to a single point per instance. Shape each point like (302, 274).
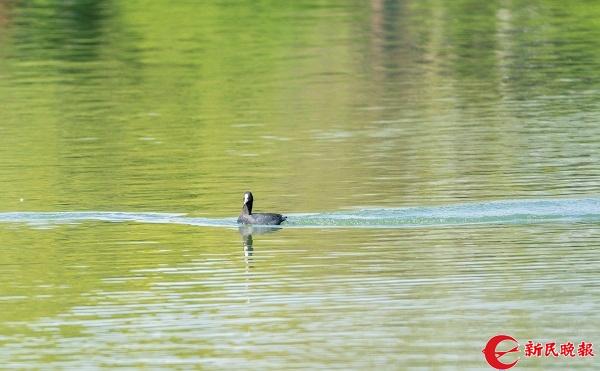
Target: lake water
(439, 163)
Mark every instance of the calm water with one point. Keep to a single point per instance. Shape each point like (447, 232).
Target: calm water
(439, 162)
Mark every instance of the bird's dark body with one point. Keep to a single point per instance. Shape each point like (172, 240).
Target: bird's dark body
(262, 218)
(247, 217)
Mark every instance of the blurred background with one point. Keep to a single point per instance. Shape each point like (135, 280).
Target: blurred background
(313, 105)
(316, 106)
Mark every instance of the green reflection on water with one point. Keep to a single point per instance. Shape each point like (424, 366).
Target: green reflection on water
(123, 293)
(109, 107)
(315, 106)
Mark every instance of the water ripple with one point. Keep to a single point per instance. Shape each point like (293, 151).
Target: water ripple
(494, 212)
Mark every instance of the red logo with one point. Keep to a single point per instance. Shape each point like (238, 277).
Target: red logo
(492, 356)
(532, 349)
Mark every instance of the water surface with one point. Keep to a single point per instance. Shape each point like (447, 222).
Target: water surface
(438, 160)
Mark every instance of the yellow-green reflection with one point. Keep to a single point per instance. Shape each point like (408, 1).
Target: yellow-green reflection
(314, 106)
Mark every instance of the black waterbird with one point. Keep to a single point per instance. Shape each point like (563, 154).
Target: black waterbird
(247, 217)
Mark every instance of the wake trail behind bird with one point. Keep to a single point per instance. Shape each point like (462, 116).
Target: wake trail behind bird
(492, 212)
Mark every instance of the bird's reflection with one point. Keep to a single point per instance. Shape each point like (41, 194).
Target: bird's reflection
(246, 231)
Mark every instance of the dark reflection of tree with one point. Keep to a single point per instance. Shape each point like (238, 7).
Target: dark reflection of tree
(391, 53)
(80, 38)
(472, 34)
(85, 64)
(554, 50)
(60, 30)
(79, 44)
(4, 18)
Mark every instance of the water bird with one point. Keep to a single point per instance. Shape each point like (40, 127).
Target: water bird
(247, 217)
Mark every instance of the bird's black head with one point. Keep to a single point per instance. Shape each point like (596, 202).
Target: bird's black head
(248, 199)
